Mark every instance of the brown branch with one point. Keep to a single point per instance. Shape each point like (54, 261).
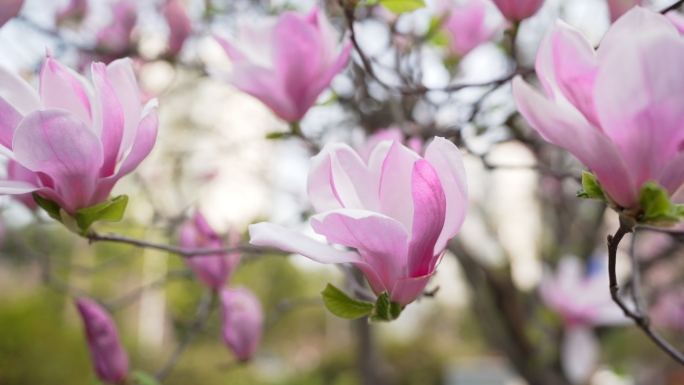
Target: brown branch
(184, 252)
(639, 318)
(672, 7)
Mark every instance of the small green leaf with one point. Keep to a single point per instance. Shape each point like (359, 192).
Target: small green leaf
(368, 3)
(142, 378)
(51, 207)
(591, 189)
(110, 211)
(385, 310)
(654, 200)
(402, 6)
(342, 305)
(278, 135)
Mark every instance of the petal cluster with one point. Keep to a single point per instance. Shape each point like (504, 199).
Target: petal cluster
(109, 359)
(468, 25)
(286, 63)
(77, 138)
(620, 109)
(214, 269)
(584, 301)
(518, 10)
(243, 321)
(397, 210)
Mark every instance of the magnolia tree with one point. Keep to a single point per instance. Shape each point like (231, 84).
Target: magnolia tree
(396, 128)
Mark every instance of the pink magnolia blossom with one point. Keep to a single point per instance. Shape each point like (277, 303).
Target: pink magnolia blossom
(518, 10)
(243, 321)
(214, 270)
(619, 110)
(287, 62)
(584, 302)
(116, 37)
(9, 9)
(618, 8)
(75, 11)
(398, 210)
(180, 24)
(109, 359)
(468, 26)
(79, 140)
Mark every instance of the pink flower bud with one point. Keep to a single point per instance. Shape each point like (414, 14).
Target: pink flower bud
(214, 269)
(109, 359)
(77, 137)
(468, 25)
(398, 210)
(243, 321)
(9, 9)
(286, 63)
(116, 37)
(180, 24)
(617, 109)
(518, 10)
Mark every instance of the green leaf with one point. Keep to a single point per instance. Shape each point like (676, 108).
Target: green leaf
(278, 135)
(142, 378)
(368, 3)
(51, 207)
(110, 211)
(342, 305)
(654, 200)
(591, 189)
(385, 310)
(402, 6)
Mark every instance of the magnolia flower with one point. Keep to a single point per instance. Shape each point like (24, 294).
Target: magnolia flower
(215, 269)
(79, 140)
(76, 11)
(619, 110)
(415, 143)
(179, 22)
(116, 37)
(468, 25)
(518, 10)
(243, 321)
(286, 63)
(9, 9)
(109, 359)
(618, 8)
(398, 210)
(584, 302)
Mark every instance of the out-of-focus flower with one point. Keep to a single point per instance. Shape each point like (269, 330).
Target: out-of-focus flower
(618, 8)
(109, 359)
(214, 269)
(9, 9)
(393, 133)
(180, 24)
(116, 37)
(620, 110)
(518, 10)
(243, 321)
(75, 12)
(78, 139)
(668, 312)
(17, 172)
(398, 210)
(467, 25)
(584, 301)
(286, 63)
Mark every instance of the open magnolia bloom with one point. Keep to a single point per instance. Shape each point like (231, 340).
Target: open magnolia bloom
(619, 110)
(398, 211)
(584, 301)
(286, 62)
(213, 269)
(79, 140)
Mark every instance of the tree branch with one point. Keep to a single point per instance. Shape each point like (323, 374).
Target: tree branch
(672, 7)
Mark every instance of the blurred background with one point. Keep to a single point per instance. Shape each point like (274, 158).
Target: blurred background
(482, 322)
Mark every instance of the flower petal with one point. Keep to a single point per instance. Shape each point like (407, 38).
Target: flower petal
(18, 92)
(407, 290)
(122, 79)
(9, 120)
(381, 240)
(396, 199)
(61, 87)
(429, 212)
(633, 24)
(579, 354)
(568, 129)
(112, 123)
(58, 143)
(446, 158)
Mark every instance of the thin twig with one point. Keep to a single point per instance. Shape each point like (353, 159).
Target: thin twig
(203, 311)
(635, 285)
(641, 320)
(127, 299)
(184, 252)
(286, 305)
